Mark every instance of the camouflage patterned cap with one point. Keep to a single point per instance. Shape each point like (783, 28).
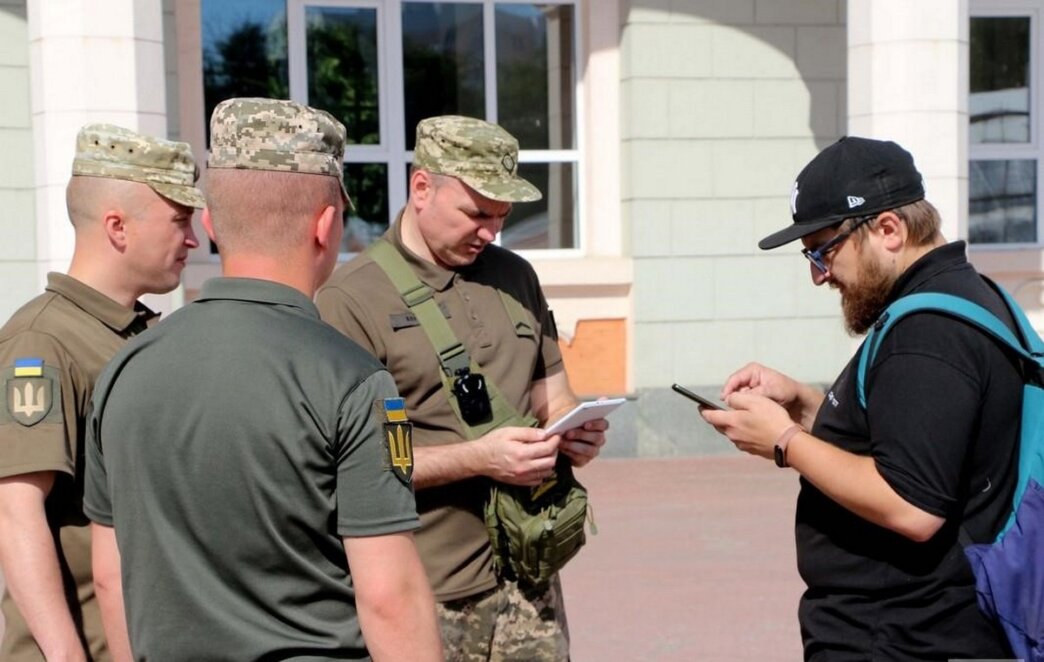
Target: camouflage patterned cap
(167, 167)
(482, 155)
(273, 134)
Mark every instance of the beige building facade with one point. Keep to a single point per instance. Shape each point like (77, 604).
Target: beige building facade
(665, 133)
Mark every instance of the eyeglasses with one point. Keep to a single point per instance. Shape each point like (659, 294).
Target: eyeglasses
(817, 256)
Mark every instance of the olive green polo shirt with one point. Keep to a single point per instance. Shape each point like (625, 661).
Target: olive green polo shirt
(233, 447)
(51, 352)
(361, 302)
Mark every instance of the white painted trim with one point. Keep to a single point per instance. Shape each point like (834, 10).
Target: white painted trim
(1033, 149)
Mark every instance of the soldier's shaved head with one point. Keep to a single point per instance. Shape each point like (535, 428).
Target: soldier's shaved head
(89, 198)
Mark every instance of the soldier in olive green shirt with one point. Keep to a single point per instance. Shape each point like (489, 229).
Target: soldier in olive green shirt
(462, 187)
(130, 201)
(267, 503)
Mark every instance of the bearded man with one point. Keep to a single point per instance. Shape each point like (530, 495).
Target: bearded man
(890, 493)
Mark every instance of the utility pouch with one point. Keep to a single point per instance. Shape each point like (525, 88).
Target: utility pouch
(536, 531)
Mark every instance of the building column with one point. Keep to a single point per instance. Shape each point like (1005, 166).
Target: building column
(908, 82)
(90, 61)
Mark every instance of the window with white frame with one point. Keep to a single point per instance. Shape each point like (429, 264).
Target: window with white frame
(382, 65)
(1005, 150)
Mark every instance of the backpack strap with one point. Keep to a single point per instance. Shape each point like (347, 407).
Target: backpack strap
(1029, 347)
(452, 354)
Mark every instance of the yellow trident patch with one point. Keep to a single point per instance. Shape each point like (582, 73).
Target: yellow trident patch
(398, 438)
(400, 449)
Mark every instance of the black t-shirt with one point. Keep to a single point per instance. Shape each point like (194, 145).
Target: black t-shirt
(942, 422)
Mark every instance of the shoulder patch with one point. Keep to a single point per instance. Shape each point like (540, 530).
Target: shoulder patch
(398, 438)
(30, 390)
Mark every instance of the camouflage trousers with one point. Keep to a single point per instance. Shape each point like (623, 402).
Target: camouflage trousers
(506, 624)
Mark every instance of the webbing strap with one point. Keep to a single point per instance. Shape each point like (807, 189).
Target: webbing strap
(1029, 346)
(452, 354)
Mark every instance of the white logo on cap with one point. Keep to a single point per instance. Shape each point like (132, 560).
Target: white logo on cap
(793, 200)
(855, 201)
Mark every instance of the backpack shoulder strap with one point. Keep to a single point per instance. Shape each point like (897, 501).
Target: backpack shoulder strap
(452, 354)
(1029, 347)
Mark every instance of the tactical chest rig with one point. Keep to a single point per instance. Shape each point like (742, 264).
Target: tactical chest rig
(533, 531)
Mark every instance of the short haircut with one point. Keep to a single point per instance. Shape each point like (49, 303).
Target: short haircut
(922, 222)
(266, 211)
(87, 197)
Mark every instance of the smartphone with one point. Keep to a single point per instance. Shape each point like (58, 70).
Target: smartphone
(703, 402)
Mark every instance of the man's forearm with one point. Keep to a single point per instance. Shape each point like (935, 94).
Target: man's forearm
(34, 579)
(439, 465)
(854, 482)
(404, 628)
(394, 600)
(108, 583)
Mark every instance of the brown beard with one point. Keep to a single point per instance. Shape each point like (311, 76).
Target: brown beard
(864, 301)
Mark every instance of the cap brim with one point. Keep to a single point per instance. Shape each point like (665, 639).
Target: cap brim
(190, 196)
(514, 189)
(795, 231)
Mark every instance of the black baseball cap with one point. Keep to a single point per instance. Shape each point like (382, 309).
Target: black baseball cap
(853, 177)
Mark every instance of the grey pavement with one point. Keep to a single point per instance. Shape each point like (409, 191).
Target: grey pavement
(693, 560)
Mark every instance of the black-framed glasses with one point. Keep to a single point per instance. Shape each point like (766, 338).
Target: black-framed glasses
(817, 256)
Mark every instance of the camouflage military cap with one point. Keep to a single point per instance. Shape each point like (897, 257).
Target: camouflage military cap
(273, 134)
(482, 155)
(167, 167)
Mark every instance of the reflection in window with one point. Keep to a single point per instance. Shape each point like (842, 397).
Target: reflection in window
(535, 79)
(549, 222)
(244, 51)
(1003, 202)
(341, 47)
(442, 61)
(999, 105)
(367, 185)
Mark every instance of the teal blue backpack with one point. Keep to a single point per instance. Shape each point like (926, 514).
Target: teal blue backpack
(1009, 572)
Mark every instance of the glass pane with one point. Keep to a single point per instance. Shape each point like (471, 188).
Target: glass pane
(342, 68)
(551, 221)
(367, 184)
(244, 51)
(999, 105)
(535, 76)
(442, 62)
(1002, 206)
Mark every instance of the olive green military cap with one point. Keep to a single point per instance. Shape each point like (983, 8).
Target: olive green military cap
(167, 167)
(274, 134)
(482, 155)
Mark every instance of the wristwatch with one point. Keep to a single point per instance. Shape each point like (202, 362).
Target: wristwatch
(780, 451)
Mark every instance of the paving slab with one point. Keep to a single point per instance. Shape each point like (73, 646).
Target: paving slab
(693, 560)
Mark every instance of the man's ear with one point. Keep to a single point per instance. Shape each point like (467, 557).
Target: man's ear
(208, 224)
(422, 187)
(114, 223)
(891, 230)
(329, 227)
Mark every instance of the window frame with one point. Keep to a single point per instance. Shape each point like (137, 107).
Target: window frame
(391, 96)
(1033, 149)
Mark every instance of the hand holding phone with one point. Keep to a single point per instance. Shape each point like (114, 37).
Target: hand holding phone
(699, 399)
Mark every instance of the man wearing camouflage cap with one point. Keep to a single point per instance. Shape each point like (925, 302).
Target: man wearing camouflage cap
(264, 510)
(130, 200)
(461, 188)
